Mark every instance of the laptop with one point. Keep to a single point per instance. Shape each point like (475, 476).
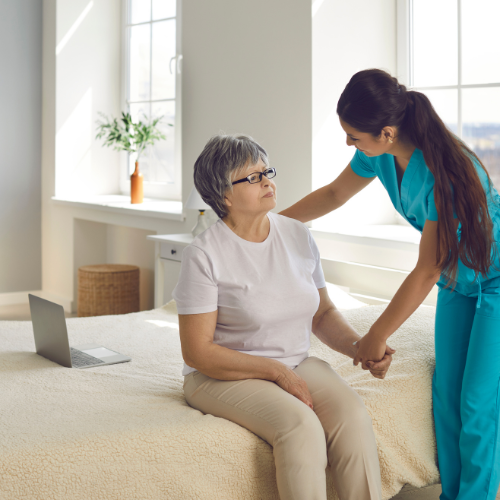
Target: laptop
(51, 339)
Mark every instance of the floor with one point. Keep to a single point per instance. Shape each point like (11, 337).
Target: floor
(21, 312)
(427, 493)
(411, 493)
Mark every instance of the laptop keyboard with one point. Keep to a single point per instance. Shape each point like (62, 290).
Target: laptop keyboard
(79, 358)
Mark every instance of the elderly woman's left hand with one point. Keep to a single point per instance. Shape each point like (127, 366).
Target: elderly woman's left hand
(374, 354)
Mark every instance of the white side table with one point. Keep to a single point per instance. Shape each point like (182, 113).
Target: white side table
(168, 254)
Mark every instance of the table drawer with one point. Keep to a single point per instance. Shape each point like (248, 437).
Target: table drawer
(171, 251)
(171, 271)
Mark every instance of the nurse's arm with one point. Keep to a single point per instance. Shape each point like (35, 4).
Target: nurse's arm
(200, 352)
(329, 197)
(415, 287)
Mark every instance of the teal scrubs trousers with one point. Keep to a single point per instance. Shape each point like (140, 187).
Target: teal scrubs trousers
(466, 381)
(466, 390)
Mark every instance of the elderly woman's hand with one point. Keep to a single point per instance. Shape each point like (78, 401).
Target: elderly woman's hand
(292, 383)
(379, 368)
(374, 355)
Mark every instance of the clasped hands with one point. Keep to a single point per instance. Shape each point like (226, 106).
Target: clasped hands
(374, 355)
(369, 349)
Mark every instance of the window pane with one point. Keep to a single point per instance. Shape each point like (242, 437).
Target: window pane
(435, 43)
(162, 153)
(163, 9)
(480, 41)
(140, 112)
(445, 103)
(140, 40)
(330, 156)
(163, 50)
(140, 11)
(157, 162)
(481, 127)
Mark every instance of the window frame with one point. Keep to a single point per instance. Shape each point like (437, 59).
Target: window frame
(405, 57)
(155, 190)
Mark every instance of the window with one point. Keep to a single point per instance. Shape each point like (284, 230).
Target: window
(453, 57)
(333, 64)
(151, 87)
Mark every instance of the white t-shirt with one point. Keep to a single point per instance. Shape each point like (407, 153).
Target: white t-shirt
(266, 293)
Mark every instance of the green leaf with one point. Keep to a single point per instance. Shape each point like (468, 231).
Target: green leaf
(127, 135)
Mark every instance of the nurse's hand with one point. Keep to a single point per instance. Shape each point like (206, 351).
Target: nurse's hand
(379, 369)
(374, 355)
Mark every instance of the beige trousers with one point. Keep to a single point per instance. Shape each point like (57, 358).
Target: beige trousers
(338, 431)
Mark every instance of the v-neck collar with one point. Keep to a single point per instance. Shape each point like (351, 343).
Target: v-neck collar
(408, 176)
(399, 175)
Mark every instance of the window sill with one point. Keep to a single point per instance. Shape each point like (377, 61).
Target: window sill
(389, 235)
(117, 203)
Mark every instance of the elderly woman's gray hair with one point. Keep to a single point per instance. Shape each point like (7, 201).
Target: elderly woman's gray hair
(223, 155)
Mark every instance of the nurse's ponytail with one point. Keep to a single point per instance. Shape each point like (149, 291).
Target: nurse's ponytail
(373, 100)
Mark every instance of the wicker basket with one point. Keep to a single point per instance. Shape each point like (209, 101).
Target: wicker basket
(108, 289)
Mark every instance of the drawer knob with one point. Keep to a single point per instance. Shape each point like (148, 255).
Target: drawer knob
(173, 252)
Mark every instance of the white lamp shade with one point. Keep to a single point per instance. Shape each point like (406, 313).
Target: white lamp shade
(195, 202)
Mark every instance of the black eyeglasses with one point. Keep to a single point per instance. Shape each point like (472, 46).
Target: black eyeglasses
(257, 176)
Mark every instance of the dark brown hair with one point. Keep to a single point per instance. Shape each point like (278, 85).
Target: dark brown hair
(372, 100)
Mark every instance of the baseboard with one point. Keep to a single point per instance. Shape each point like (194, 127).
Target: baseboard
(21, 298)
(16, 298)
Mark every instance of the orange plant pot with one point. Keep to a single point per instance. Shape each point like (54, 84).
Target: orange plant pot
(136, 186)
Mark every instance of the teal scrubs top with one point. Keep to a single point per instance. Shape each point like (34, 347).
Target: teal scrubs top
(416, 203)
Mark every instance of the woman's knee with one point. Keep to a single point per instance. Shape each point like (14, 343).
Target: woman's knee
(352, 410)
(303, 431)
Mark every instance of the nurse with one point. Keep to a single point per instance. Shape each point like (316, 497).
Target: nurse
(442, 189)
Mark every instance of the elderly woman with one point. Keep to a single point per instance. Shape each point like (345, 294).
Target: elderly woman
(250, 291)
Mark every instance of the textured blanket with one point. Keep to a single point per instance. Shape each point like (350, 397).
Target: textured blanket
(125, 431)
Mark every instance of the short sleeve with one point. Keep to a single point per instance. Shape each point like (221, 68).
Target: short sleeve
(432, 213)
(361, 165)
(196, 291)
(318, 276)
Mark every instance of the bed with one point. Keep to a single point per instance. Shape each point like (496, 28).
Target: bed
(124, 431)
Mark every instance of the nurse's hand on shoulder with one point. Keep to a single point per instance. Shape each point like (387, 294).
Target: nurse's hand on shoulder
(374, 355)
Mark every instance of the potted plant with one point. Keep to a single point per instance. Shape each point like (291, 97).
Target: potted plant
(125, 135)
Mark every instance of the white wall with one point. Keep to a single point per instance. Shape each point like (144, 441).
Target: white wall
(20, 143)
(88, 65)
(257, 67)
(247, 69)
(347, 37)
(81, 76)
(253, 66)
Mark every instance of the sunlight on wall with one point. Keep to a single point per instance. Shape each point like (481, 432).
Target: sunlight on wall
(74, 27)
(316, 6)
(336, 56)
(73, 154)
(330, 156)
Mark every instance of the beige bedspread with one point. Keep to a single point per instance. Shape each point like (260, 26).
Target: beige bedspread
(125, 431)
